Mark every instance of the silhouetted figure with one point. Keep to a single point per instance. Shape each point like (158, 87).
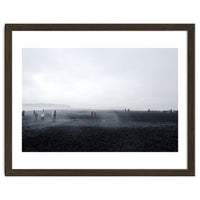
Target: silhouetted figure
(92, 114)
(54, 114)
(125, 110)
(23, 113)
(149, 110)
(33, 113)
(95, 114)
(128, 110)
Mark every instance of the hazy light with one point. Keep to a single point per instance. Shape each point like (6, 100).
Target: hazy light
(102, 78)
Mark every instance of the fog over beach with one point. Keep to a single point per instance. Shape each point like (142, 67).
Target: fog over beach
(101, 78)
(100, 100)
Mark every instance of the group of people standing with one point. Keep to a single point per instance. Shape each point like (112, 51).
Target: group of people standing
(93, 114)
(35, 115)
(53, 115)
(42, 115)
(126, 110)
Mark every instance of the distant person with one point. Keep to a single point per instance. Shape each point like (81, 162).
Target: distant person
(34, 113)
(23, 113)
(36, 116)
(149, 110)
(92, 114)
(54, 114)
(125, 110)
(128, 110)
(42, 116)
(95, 114)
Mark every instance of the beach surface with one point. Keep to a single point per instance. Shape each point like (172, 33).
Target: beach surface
(109, 131)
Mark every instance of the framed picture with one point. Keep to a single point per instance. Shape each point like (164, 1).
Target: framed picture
(99, 99)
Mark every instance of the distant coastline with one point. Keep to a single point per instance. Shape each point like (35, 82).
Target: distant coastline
(50, 106)
(46, 106)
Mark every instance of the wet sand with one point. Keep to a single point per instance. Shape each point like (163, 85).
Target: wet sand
(110, 131)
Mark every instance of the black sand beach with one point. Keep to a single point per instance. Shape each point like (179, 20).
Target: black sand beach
(110, 131)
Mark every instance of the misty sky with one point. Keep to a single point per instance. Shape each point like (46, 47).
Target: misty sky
(102, 78)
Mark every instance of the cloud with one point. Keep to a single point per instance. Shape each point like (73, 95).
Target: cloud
(102, 78)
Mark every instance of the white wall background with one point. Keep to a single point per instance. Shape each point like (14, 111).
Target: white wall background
(104, 11)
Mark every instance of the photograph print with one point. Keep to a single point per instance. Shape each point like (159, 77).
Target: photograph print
(100, 100)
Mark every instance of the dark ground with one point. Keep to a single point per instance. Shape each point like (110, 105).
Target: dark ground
(110, 131)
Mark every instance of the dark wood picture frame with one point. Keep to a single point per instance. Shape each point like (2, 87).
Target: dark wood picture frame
(190, 171)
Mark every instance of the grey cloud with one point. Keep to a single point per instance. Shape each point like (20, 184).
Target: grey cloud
(102, 78)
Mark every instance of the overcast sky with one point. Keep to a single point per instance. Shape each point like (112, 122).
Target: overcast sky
(102, 78)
